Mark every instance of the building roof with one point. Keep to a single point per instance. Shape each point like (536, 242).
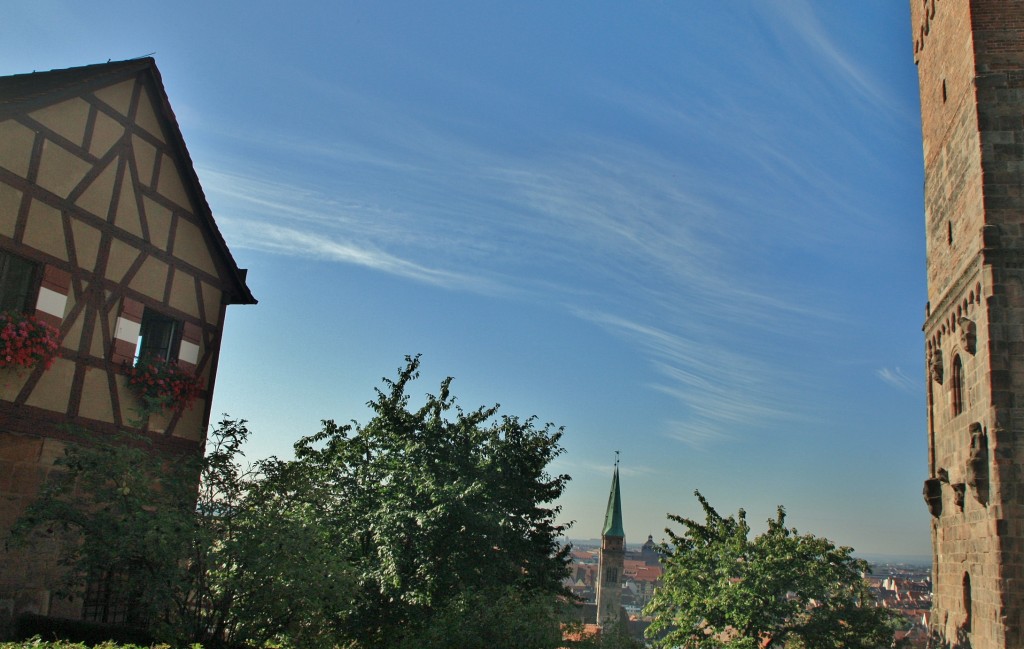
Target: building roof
(20, 89)
(27, 92)
(613, 516)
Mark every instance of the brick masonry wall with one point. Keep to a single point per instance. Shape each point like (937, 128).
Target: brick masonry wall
(951, 142)
(970, 57)
(26, 462)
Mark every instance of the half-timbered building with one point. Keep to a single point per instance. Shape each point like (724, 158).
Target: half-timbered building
(105, 234)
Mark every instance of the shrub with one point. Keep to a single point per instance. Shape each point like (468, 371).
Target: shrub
(45, 632)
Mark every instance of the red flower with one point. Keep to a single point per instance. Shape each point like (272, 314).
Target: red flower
(160, 384)
(26, 341)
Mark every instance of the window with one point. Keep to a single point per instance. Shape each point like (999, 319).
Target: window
(611, 575)
(17, 281)
(105, 598)
(159, 336)
(957, 381)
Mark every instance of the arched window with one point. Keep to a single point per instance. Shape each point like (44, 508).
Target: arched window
(957, 385)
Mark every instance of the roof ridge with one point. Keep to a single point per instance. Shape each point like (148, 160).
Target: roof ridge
(19, 88)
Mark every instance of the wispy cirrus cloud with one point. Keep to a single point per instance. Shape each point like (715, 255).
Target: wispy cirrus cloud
(642, 224)
(643, 245)
(721, 391)
(801, 19)
(662, 249)
(298, 243)
(628, 469)
(895, 377)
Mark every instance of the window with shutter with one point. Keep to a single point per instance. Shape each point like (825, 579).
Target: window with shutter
(159, 336)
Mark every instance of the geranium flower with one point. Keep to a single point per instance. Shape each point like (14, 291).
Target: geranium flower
(161, 384)
(26, 341)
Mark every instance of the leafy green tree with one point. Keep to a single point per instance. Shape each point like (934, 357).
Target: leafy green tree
(493, 618)
(236, 563)
(261, 570)
(402, 530)
(123, 515)
(780, 589)
(612, 636)
(437, 503)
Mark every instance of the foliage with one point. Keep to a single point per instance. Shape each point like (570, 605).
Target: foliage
(781, 589)
(409, 528)
(232, 565)
(161, 384)
(26, 341)
(37, 643)
(611, 636)
(488, 619)
(436, 508)
(261, 569)
(31, 625)
(122, 511)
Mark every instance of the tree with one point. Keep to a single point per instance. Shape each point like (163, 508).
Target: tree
(780, 589)
(235, 563)
(123, 518)
(261, 569)
(418, 523)
(495, 618)
(439, 505)
(611, 636)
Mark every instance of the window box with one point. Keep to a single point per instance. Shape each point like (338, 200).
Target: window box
(162, 385)
(26, 341)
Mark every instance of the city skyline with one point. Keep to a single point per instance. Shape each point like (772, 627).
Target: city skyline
(691, 234)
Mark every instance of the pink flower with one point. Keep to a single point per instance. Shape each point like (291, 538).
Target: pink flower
(26, 341)
(156, 381)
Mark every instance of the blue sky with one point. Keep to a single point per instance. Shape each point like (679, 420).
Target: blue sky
(688, 231)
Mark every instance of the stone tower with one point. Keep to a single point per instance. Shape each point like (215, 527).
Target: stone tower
(970, 61)
(613, 547)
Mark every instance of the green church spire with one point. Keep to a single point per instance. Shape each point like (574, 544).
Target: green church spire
(613, 517)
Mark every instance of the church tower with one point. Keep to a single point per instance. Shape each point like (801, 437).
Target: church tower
(970, 62)
(613, 547)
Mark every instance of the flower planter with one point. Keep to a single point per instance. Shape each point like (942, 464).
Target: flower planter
(26, 341)
(162, 385)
